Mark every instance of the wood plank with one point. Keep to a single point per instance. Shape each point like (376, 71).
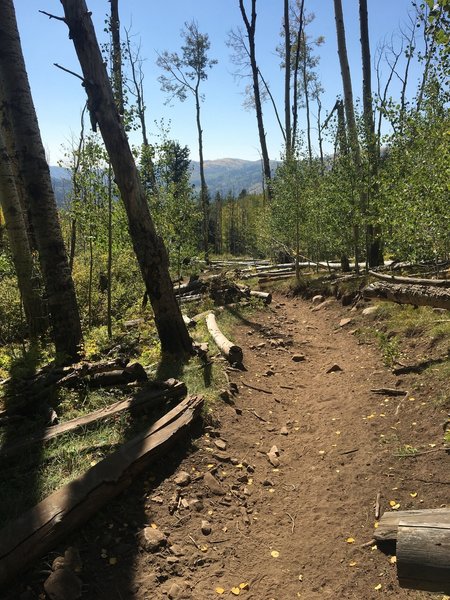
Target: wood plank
(39, 529)
(143, 400)
(423, 554)
(389, 522)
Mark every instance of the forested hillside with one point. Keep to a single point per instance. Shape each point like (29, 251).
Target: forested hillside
(136, 341)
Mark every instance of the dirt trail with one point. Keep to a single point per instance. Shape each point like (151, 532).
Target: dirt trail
(284, 530)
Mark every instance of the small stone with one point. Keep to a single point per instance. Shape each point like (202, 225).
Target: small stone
(284, 431)
(175, 591)
(58, 563)
(196, 504)
(152, 539)
(157, 499)
(172, 560)
(206, 527)
(63, 584)
(177, 550)
(273, 455)
(344, 322)
(72, 560)
(369, 311)
(212, 484)
(334, 369)
(182, 479)
(222, 457)
(298, 357)
(269, 373)
(220, 444)
(317, 299)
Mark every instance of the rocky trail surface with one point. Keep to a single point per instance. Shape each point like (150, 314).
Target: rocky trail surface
(275, 499)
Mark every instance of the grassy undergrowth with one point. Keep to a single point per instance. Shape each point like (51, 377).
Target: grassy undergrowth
(36, 472)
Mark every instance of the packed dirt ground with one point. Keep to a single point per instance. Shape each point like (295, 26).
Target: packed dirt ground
(275, 497)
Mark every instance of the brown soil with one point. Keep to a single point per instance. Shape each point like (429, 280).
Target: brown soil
(284, 530)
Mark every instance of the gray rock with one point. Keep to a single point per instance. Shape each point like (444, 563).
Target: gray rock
(334, 369)
(63, 584)
(370, 311)
(177, 550)
(58, 563)
(175, 591)
(152, 539)
(220, 444)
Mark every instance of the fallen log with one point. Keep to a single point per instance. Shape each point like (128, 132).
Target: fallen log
(387, 529)
(265, 296)
(411, 280)
(423, 551)
(276, 278)
(231, 352)
(145, 399)
(269, 273)
(39, 529)
(418, 295)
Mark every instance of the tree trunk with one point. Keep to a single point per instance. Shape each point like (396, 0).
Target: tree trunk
(296, 69)
(148, 246)
(350, 115)
(18, 242)
(114, 25)
(25, 145)
(203, 187)
(287, 79)
(251, 30)
(374, 249)
(306, 92)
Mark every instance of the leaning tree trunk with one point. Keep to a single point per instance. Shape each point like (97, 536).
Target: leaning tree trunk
(19, 244)
(148, 246)
(114, 24)
(24, 144)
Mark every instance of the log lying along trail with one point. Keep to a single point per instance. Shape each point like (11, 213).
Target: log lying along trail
(231, 352)
(423, 547)
(419, 295)
(146, 399)
(39, 529)
(411, 280)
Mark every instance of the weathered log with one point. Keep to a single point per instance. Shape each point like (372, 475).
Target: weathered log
(39, 529)
(388, 524)
(134, 372)
(268, 273)
(265, 296)
(266, 279)
(193, 298)
(231, 352)
(411, 280)
(188, 321)
(148, 398)
(419, 295)
(423, 554)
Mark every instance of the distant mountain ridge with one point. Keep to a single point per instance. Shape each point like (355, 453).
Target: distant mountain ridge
(224, 175)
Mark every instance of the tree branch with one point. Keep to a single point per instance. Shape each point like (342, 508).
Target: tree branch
(70, 72)
(50, 16)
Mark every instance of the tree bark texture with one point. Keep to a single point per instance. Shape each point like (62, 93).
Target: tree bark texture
(24, 144)
(251, 30)
(39, 529)
(287, 79)
(148, 246)
(203, 187)
(418, 295)
(19, 245)
(423, 555)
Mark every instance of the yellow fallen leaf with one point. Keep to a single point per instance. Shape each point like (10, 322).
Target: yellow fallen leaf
(113, 560)
(396, 506)
(203, 548)
(412, 399)
(338, 433)
(376, 524)
(274, 554)
(321, 451)
(210, 466)
(350, 540)
(374, 547)
(236, 591)
(392, 502)
(393, 560)
(93, 463)
(244, 586)
(352, 564)
(433, 446)
(413, 494)
(219, 590)
(154, 526)
(378, 587)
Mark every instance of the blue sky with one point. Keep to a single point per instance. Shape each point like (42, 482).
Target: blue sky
(229, 129)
